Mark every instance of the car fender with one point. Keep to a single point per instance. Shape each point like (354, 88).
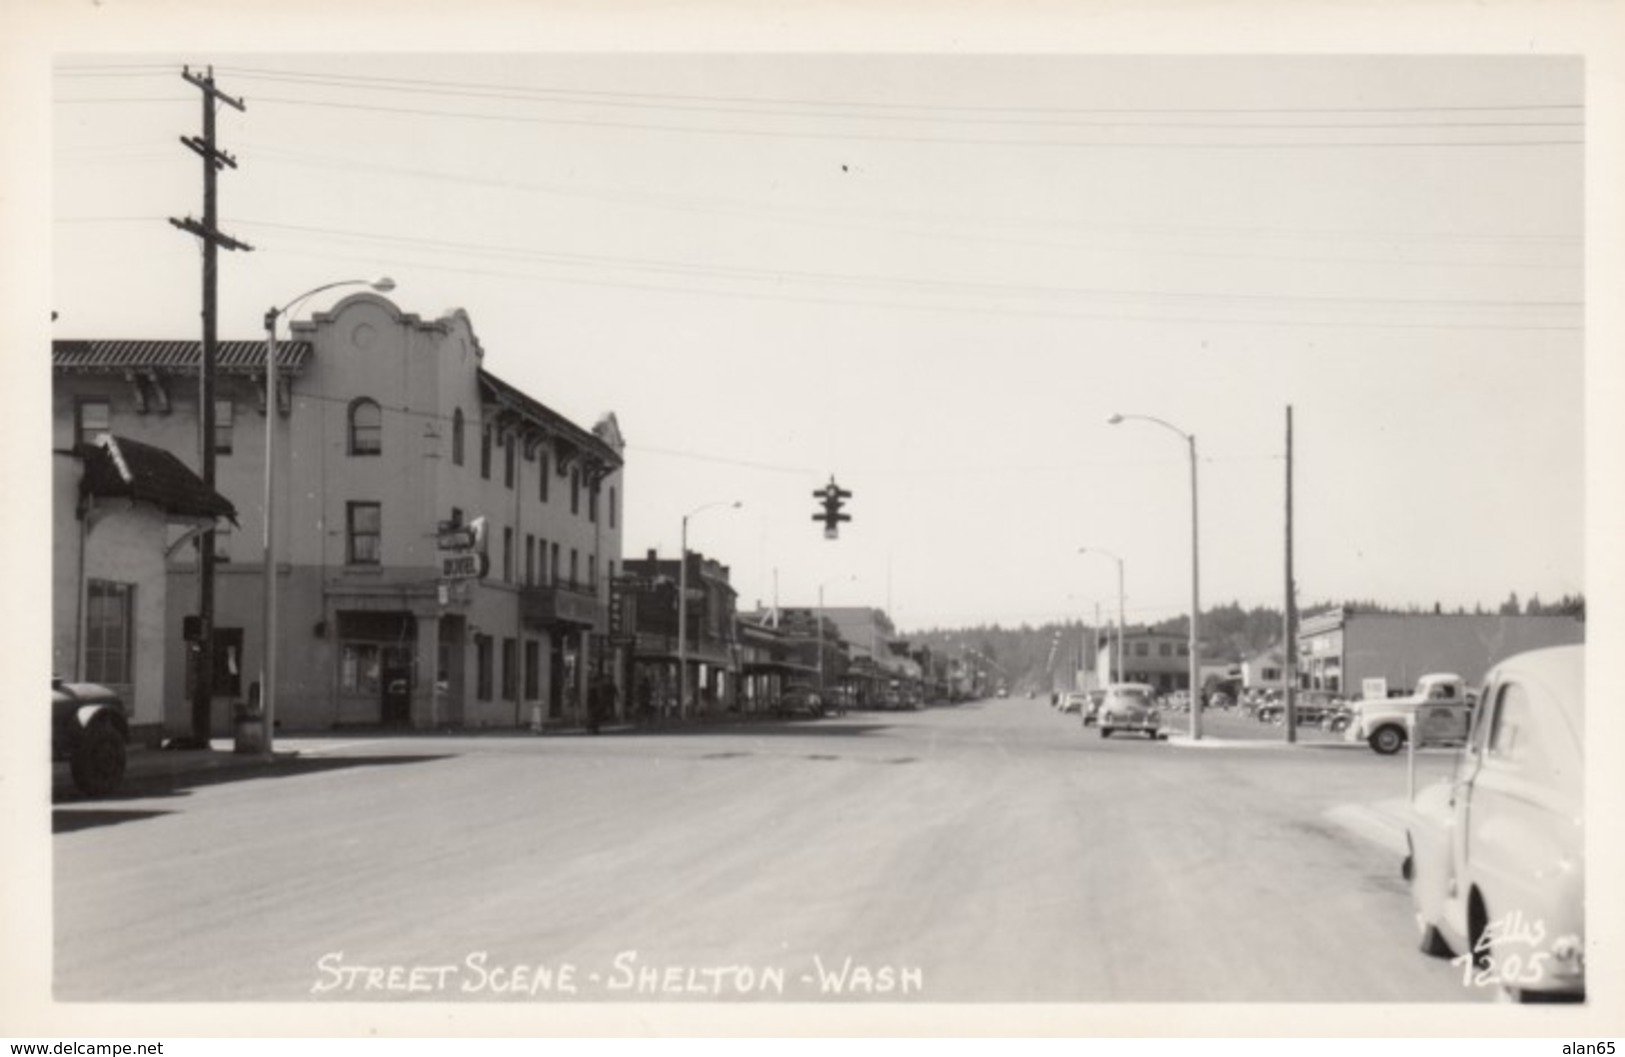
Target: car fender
(1427, 839)
(85, 715)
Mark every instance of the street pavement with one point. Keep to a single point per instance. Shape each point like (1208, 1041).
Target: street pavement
(995, 851)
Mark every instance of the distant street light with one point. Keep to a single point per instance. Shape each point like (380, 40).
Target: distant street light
(1117, 667)
(1196, 605)
(268, 642)
(682, 606)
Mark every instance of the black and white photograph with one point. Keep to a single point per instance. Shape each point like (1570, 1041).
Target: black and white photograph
(667, 534)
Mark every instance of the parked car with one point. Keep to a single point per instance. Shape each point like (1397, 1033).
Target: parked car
(1074, 701)
(801, 701)
(1129, 706)
(89, 730)
(1311, 706)
(1091, 710)
(1338, 717)
(1496, 853)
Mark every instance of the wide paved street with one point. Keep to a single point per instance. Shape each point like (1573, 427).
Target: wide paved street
(992, 851)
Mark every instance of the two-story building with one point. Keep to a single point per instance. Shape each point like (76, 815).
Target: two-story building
(709, 649)
(1160, 659)
(388, 428)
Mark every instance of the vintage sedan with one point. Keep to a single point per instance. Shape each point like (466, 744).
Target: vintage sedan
(1129, 706)
(89, 731)
(1496, 853)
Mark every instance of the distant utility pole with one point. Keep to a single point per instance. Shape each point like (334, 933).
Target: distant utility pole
(1291, 667)
(213, 161)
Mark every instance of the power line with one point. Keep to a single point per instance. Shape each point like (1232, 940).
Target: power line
(887, 112)
(820, 218)
(894, 139)
(779, 275)
(521, 92)
(953, 308)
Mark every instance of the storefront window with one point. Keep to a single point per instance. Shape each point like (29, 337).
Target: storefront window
(359, 668)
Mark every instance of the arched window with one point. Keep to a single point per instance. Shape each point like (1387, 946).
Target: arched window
(366, 427)
(457, 437)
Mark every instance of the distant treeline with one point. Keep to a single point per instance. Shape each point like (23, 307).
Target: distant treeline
(1029, 654)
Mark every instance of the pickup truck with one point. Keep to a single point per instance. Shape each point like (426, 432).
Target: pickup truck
(1440, 707)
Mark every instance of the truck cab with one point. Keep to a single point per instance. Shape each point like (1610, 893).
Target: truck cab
(1440, 707)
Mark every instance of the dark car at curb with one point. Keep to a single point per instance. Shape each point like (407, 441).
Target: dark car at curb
(91, 733)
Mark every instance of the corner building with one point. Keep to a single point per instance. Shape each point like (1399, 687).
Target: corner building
(389, 430)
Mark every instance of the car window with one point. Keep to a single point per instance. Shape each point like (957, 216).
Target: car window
(1515, 736)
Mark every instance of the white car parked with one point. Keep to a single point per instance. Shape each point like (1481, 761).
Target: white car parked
(1496, 854)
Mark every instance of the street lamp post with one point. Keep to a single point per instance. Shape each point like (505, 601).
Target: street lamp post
(268, 595)
(682, 606)
(1196, 605)
(1117, 668)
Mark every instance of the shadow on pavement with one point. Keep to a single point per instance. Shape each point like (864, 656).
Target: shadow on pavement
(90, 818)
(177, 778)
(754, 728)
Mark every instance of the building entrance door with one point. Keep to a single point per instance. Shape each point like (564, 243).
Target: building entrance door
(395, 681)
(555, 676)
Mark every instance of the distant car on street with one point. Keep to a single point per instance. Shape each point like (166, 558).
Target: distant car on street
(1129, 706)
(1075, 701)
(1091, 710)
(89, 730)
(801, 701)
(1496, 854)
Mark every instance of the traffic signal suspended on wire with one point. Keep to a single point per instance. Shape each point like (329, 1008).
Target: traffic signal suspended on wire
(832, 496)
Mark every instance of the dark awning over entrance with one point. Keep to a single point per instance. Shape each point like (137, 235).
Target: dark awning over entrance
(778, 668)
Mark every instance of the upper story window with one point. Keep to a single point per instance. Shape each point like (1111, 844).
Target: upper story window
(457, 437)
(222, 427)
(547, 469)
(366, 427)
(485, 453)
(592, 503)
(364, 531)
(611, 506)
(510, 453)
(92, 419)
(575, 491)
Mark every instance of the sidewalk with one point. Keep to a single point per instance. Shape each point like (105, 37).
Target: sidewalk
(1381, 822)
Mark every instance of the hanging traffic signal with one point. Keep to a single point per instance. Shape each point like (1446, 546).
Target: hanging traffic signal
(832, 496)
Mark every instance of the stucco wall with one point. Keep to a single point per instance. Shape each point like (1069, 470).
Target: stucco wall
(123, 542)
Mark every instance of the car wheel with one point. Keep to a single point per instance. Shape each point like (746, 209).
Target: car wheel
(98, 760)
(1433, 944)
(1105, 732)
(1387, 740)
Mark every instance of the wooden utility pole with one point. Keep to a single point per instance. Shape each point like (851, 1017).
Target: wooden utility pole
(1291, 669)
(213, 161)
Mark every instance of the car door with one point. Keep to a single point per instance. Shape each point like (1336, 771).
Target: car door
(1519, 830)
(1469, 762)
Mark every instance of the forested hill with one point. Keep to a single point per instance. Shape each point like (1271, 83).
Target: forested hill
(1229, 633)
(1023, 653)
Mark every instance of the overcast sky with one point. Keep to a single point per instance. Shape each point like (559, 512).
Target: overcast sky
(934, 278)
